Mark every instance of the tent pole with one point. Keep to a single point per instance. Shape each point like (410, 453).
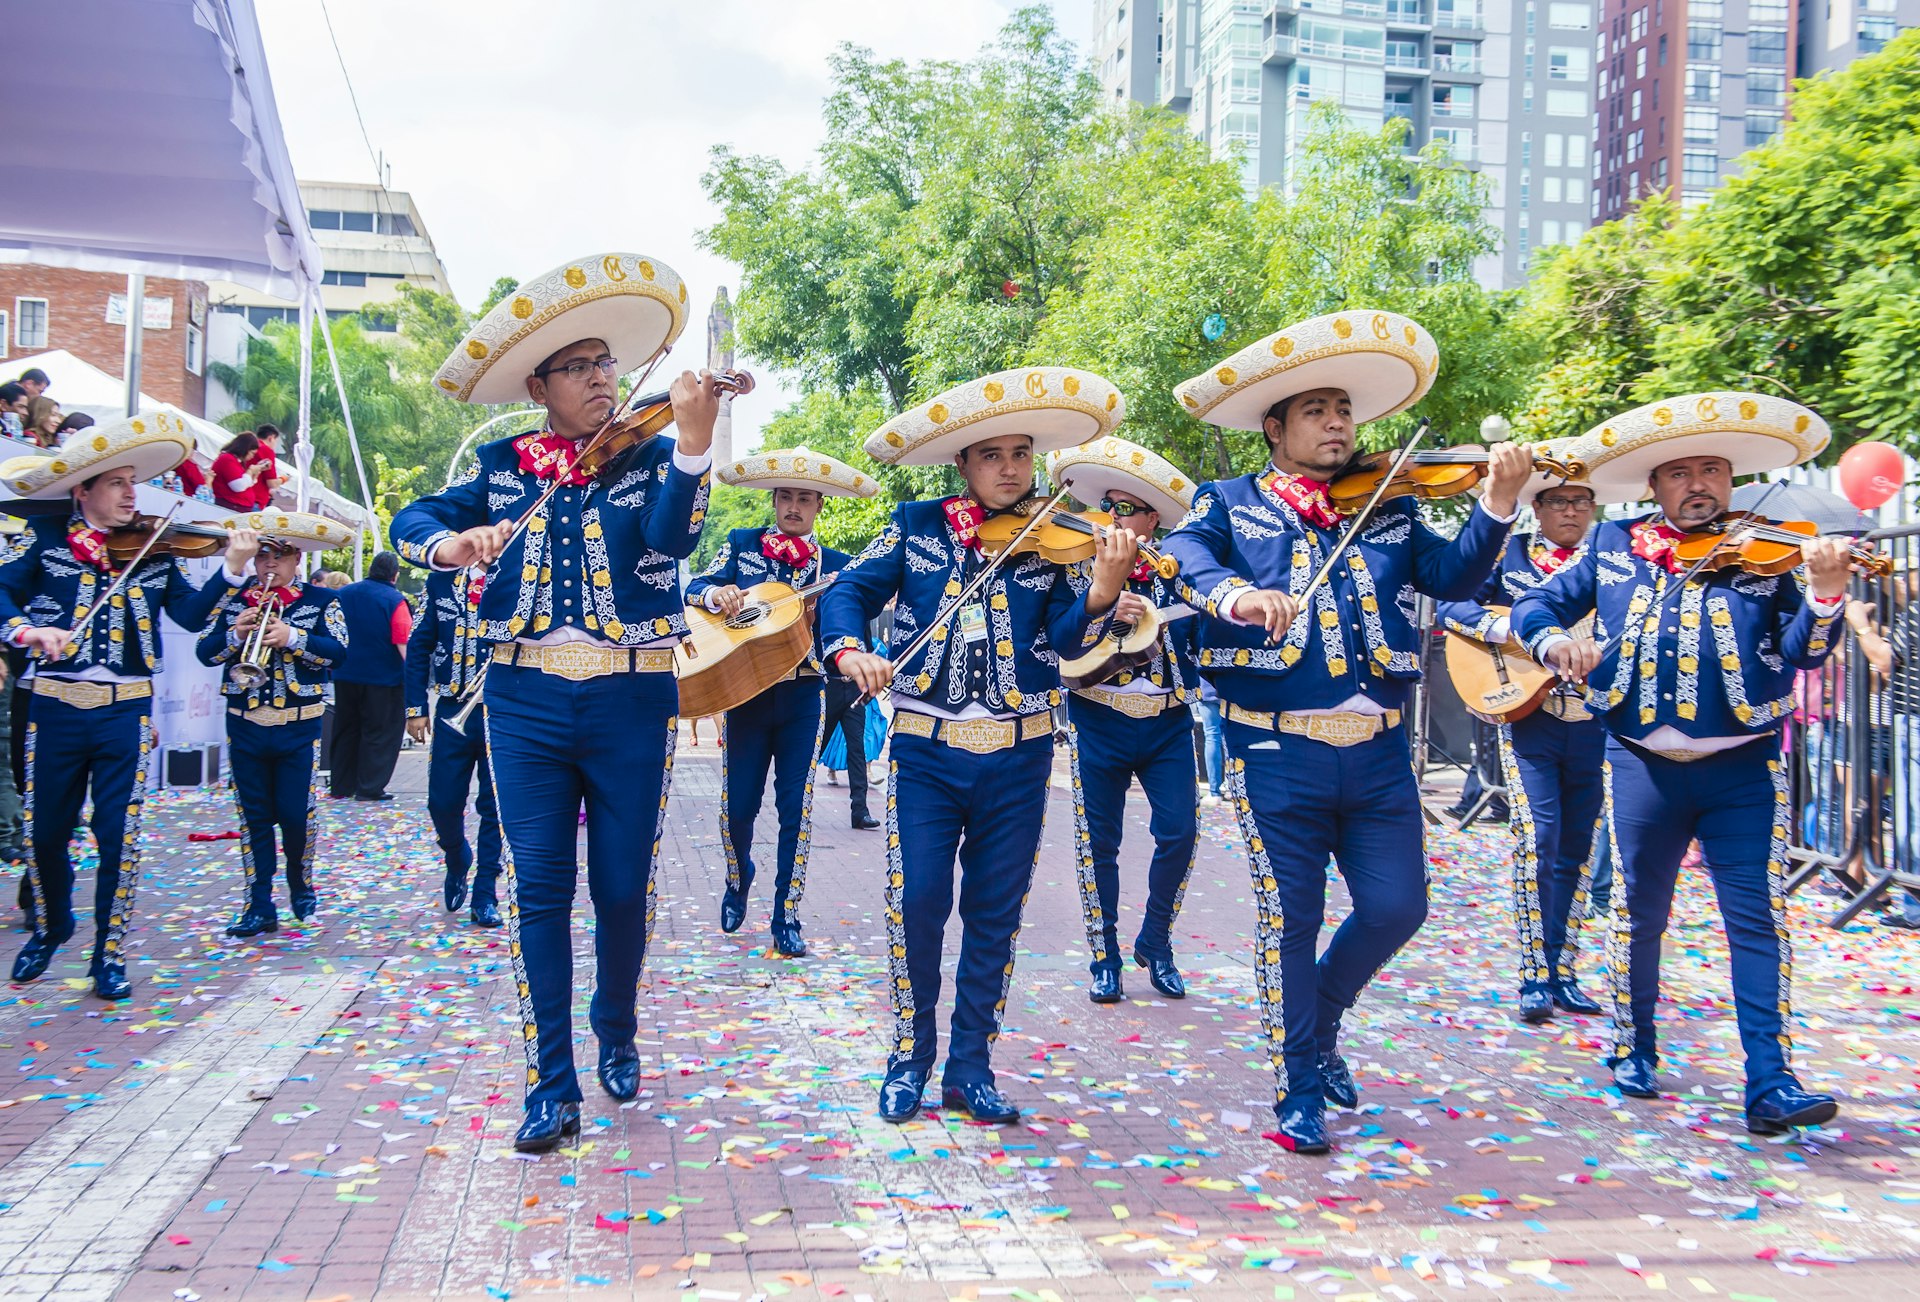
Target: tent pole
(136, 325)
(303, 436)
(353, 440)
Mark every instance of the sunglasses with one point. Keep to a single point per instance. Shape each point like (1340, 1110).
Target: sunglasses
(1123, 510)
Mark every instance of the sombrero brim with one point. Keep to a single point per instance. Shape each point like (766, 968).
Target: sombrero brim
(1093, 470)
(301, 530)
(635, 305)
(1756, 433)
(797, 468)
(1056, 406)
(149, 444)
(1384, 361)
(1567, 448)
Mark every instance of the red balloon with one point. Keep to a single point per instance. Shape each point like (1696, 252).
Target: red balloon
(1871, 473)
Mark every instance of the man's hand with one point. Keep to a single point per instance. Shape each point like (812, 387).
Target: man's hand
(870, 673)
(1131, 609)
(1509, 466)
(480, 545)
(1828, 567)
(696, 406)
(726, 601)
(279, 635)
(50, 643)
(242, 546)
(417, 729)
(1574, 659)
(243, 622)
(1114, 555)
(1269, 608)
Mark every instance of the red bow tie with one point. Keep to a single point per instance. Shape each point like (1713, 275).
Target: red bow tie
(785, 547)
(1653, 542)
(1143, 572)
(89, 546)
(1548, 559)
(476, 584)
(1308, 498)
(966, 516)
(257, 595)
(548, 456)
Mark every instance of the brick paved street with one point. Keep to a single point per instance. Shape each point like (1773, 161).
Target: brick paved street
(327, 1114)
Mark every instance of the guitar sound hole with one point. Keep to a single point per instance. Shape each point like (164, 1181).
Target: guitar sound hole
(750, 615)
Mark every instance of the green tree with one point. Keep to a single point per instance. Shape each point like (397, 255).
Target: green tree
(399, 485)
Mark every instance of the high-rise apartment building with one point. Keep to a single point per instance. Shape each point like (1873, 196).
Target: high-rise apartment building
(1833, 33)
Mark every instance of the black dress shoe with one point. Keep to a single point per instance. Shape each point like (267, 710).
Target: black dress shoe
(864, 822)
(1635, 1078)
(34, 957)
(453, 889)
(1303, 1124)
(252, 923)
(982, 1100)
(620, 1071)
(486, 914)
(376, 799)
(1163, 974)
(1336, 1081)
(788, 942)
(733, 910)
(546, 1125)
(1536, 1006)
(1105, 988)
(900, 1094)
(1786, 1106)
(304, 907)
(1568, 997)
(110, 981)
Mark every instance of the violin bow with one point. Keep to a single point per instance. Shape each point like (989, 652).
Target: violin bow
(1362, 516)
(119, 582)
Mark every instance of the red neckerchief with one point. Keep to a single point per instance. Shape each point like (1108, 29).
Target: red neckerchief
(794, 551)
(89, 546)
(1308, 497)
(257, 595)
(476, 584)
(966, 517)
(548, 456)
(1548, 559)
(1653, 541)
(1142, 572)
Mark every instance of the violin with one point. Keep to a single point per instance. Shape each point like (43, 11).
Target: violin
(1762, 546)
(1439, 472)
(644, 417)
(182, 538)
(1064, 537)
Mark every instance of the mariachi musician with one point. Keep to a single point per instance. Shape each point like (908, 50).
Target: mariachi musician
(781, 726)
(1314, 687)
(444, 655)
(974, 678)
(92, 624)
(1693, 684)
(1134, 724)
(1551, 758)
(584, 603)
(276, 639)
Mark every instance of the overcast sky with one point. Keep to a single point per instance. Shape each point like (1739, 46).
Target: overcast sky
(533, 132)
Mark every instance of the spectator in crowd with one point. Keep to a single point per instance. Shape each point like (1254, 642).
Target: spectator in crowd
(237, 471)
(193, 480)
(13, 410)
(1895, 657)
(43, 421)
(34, 381)
(338, 578)
(1213, 741)
(370, 708)
(73, 421)
(269, 457)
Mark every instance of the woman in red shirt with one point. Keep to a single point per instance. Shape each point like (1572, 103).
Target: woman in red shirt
(270, 476)
(237, 471)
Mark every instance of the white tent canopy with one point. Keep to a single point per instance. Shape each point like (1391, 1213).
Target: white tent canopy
(142, 136)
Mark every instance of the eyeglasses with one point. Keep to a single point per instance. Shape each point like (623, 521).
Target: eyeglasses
(1565, 503)
(577, 370)
(1122, 510)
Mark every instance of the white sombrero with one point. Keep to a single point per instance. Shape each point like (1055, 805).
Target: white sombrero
(1566, 448)
(799, 467)
(1056, 406)
(1113, 465)
(1383, 360)
(637, 305)
(301, 530)
(149, 443)
(1756, 432)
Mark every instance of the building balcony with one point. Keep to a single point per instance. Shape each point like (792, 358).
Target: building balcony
(1407, 63)
(1456, 64)
(1407, 13)
(1279, 50)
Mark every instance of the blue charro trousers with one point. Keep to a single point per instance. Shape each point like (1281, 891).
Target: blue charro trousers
(1555, 790)
(450, 770)
(780, 728)
(272, 770)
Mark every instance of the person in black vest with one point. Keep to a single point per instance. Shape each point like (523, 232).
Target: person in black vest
(369, 698)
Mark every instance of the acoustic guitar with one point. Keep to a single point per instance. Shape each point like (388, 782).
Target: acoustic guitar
(1502, 684)
(1124, 647)
(726, 661)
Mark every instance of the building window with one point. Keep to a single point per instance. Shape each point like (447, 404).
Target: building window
(1456, 13)
(1703, 85)
(261, 317)
(30, 324)
(1576, 151)
(1640, 62)
(1706, 11)
(1636, 145)
(1567, 103)
(1766, 89)
(1703, 42)
(1637, 25)
(1403, 54)
(1875, 33)
(196, 351)
(1576, 189)
(1550, 189)
(1568, 63)
(1459, 142)
(356, 279)
(1576, 18)
(3, 334)
(1634, 101)
(396, 223)
(1761, 127)
(1663, 49)
(1699, 171)
(323, 219)
(1767, 47)
(1556, 149)
(1771, 11)
(1702, 126)
(1453, 101)
(1456, 56)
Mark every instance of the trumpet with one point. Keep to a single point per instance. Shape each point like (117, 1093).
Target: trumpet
(458, 720)
(251, 669)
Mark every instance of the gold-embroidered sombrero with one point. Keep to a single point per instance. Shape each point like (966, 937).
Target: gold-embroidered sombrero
(1385, 362)
(301, 530)
(1566, 448)
(636, 304)
(1756, 432)
(1056, 406)
(1113, 465)
(149, 443)
(799, 467)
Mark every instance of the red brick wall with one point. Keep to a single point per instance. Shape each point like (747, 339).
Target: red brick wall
(77, 322)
